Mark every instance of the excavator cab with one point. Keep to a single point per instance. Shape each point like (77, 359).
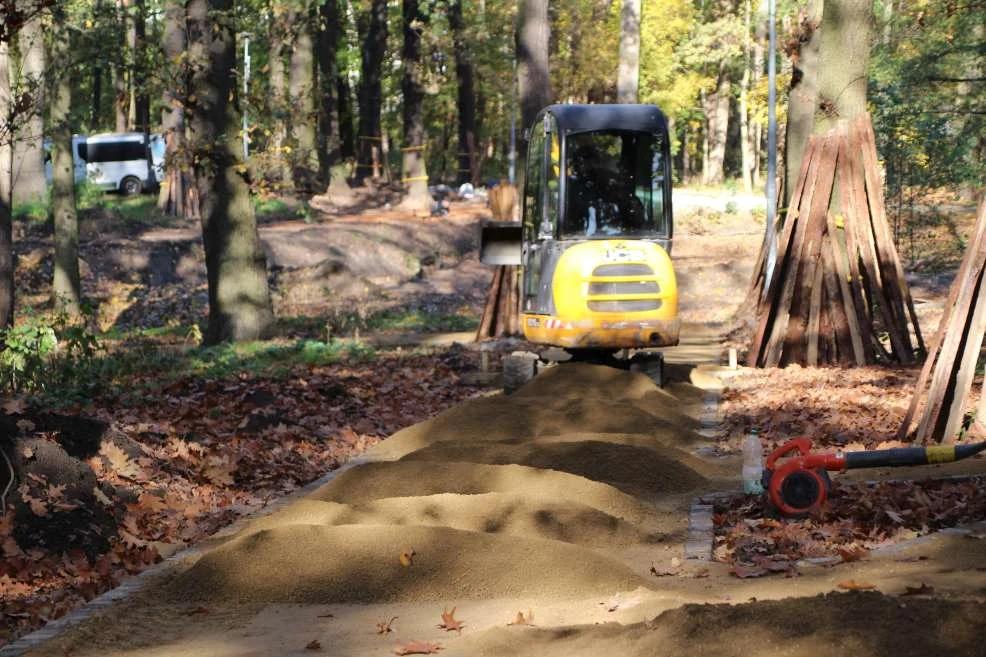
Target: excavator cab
(597, 228)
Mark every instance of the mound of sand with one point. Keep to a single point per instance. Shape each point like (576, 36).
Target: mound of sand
(373, 481)
(498, 513)
(588, 380)
(638, 471)
(832, 625)
(360, 564)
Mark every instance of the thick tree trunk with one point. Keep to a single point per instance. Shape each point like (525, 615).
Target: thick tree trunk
(138, 79)
(301, 90)
(372, 25)
(66, 290)
(28, 165)
(717, 129)
(176, 195)
(6, 184)
(239, 300)
(468, 157)
(629, 72)
(533, 81)
(802, 97)
(329, 146)
(844, 48)
(347, 136)
(412, 86)
(278, 106)
(121, 101)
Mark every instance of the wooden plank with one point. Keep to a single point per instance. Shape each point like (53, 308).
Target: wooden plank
(483, 331)
(846, 333)
(824, 161)
(974, 248)
(814, 315)
(768, 309)
(948, 424)
(880, 218)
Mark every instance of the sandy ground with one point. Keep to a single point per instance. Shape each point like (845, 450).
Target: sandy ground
(554, 502)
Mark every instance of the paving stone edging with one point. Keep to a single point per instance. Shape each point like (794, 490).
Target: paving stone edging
(136, 583)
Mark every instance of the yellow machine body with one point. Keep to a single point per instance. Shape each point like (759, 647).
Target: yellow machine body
(609, 294)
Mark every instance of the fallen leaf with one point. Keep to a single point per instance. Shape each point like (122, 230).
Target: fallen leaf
(449, 623)
(745, 572)
(198, 611)
(701, 573)
(521, 620)
(407, 557)
(924, 589)
(326, 616)
(853, 554)
(27, 452)
(665, 571)
(383, 627)
(853, 585)
(416, 648)
(314, 644)
(15, 406)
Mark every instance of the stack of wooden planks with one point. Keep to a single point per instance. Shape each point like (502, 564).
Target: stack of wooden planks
(837, 295)
(955, 351)
(501, 314)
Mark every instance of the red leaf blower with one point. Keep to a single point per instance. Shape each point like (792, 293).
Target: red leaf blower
(800, 484)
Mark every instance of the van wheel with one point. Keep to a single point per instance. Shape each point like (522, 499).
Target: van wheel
(130, 186)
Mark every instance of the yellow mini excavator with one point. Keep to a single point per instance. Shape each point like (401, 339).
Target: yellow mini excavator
(596, 234)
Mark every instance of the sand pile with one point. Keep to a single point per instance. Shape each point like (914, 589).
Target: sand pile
(832, 625)
(498, 513)
(638, 471)
(373, 481)
(360, 564)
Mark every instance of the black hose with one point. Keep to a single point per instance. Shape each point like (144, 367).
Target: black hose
(908, 456)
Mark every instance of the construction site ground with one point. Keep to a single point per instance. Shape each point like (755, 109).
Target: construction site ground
(555, 521)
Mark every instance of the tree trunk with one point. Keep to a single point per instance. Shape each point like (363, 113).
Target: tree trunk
(239, 300)
(329, 153)
(759, 61)
(301, 89)
(533, 81)
(717, 129)
(747, 163)
(466, 97)
(372, 25)
(66, 290)
(176, 188)
(6, 188)
(138, 79)
(844, 48)
(95, 110)
(802, 96)
(121, 102)
(29, 169)
(347, 137)
(412, 86)
(278, 90)
(629, 72)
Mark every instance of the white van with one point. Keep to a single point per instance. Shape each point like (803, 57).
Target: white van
(78, 144)
(124, 161)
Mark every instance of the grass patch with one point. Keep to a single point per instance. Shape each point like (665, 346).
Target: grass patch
(416, 320)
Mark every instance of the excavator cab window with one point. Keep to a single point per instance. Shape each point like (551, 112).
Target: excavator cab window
(615, 183)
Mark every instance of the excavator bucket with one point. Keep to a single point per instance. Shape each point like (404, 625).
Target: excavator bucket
(499, 243)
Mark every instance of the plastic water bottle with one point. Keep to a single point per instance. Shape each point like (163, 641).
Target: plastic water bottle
(752, 463)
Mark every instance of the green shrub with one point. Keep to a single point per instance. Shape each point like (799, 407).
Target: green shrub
(43, 353)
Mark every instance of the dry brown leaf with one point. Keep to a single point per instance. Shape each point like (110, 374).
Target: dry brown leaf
(15, 406)
(853, 554)
(383, 627)
(522, 620)
(745, 572)
(407, 557)
(665, 571)
(853, 585)
(27, 452)
(449, 622)
(314, 644)
(198, 611)
(416, 648)
(924, 589)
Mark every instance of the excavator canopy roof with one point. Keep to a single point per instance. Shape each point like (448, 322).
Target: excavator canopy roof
(592, 118)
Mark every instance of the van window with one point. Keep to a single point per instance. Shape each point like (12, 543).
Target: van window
(114, 151)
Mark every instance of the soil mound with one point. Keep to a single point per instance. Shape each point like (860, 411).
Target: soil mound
(374, 481)
(497, 513)
(831, 625)
(582, 379)
(360, 564)
(637, 471)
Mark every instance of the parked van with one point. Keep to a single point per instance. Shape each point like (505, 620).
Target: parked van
(78, 145)
(123, 161)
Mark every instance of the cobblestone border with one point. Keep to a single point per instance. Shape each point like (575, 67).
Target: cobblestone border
(136, 583)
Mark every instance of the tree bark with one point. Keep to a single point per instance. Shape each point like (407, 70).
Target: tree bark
(347, 136)
(747, 154)
(415, 175)
(28, 164)
(372, 25)
(239, 300)
(533, 81)
(844, 48)
(802, 96)
(138, 79)
(278, 107)
(66, 289)
(174, 198)
(6, 188)
(717, 129)
(121, 102)
(95, 110)
(465, 99)
(301, 90)
(629, 72)
(329, 145)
